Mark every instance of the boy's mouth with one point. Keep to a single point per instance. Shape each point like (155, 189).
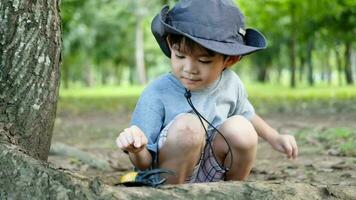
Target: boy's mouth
(189, 80)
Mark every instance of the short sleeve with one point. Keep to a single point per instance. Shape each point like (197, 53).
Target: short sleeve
(247, 109)
(149, 116)
(243, 105)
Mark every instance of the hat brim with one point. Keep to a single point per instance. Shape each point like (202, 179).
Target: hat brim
(254, 40)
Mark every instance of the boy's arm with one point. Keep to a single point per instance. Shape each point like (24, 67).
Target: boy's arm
(142, 160)
(283, 143)
(133, 141)
(146, 123)
(263, 129)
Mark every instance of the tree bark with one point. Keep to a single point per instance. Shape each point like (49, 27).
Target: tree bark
(348, 67)
(29, 73)
(22, 177)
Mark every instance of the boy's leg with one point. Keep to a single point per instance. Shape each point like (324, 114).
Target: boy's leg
(243, 140)
(182, 149)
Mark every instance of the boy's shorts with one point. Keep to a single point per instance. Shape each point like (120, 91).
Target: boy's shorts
(208, 168)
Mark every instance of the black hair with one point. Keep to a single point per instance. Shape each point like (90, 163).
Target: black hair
(186, 45)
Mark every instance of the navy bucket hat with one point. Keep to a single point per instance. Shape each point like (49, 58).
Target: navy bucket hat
(217, 25)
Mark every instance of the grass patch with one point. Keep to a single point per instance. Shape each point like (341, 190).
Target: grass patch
(96, 104)
(102, 99)
(267, 91)
(265, 98)
(101, 92)
(339, 140)
(319, 99)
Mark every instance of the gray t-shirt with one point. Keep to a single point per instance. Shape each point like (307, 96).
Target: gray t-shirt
(164, 99)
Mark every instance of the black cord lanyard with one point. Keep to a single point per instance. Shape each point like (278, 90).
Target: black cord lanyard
(188, 96)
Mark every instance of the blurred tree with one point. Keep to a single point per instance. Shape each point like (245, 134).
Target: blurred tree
(106, 39)
(346, 27)
(338, 19)
(268, 19)
(293, 40)
(301, 25)
(105, 36)
(140, 12)
(68, 8)
(97, 33)
(306, 39)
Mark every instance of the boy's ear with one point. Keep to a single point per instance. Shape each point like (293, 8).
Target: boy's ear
(230, 60)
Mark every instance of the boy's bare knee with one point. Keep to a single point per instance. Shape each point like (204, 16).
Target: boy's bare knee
(240, 132)
(186, 131)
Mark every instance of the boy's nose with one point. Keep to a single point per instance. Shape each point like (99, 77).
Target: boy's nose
(189, 67)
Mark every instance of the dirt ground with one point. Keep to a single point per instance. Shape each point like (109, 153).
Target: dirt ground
(95, 133)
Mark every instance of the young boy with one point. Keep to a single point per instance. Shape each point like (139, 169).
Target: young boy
(203, 38)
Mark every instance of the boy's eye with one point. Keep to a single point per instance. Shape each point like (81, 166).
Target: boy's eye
(205, 61)
(179, 56)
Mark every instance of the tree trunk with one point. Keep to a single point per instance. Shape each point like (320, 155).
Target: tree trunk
(328, 67)
(105, 75)
(262, 74)
(23, 177)
(292, 46)
(292, 62)
(301, 69)
(140, 60)
(65, 75)
(119, 73)
(29, 77)
(88, 74)
(348, 68)
(339, 66)
(279, 72)
(310, 47)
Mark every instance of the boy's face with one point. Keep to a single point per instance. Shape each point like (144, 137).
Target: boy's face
(196, 69)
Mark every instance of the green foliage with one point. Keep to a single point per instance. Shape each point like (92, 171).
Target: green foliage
(348, 148)
(317, 25)
(99, 39)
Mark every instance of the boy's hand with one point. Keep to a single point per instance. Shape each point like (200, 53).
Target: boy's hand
(132, 140)
(285, 144)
